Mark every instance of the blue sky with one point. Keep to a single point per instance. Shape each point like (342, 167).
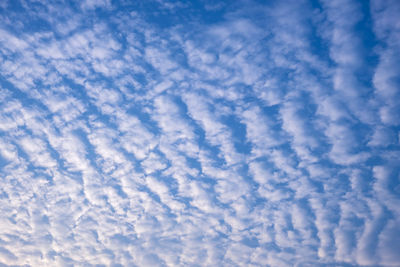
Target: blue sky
(200, 133)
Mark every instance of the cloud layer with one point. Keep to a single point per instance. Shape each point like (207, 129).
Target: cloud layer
(164, 133)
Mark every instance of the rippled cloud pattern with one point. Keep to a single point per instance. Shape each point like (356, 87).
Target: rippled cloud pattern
(200, 133)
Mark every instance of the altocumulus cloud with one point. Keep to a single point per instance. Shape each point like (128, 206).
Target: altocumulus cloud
(200, 133)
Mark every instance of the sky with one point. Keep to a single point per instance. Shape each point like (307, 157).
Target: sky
(200, 133)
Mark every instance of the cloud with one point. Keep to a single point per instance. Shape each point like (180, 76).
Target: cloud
(200, 134)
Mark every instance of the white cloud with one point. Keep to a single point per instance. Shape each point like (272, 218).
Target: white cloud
(157, 135)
